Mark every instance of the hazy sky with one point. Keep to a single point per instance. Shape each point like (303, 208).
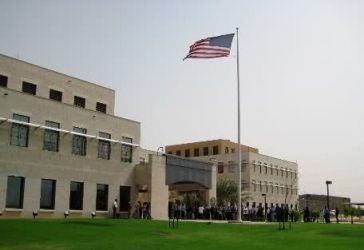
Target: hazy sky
(302, 82)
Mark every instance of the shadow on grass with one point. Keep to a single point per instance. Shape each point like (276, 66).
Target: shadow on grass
(89, 223)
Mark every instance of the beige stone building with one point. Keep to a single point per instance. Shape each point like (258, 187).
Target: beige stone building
(63, 149)
(277, 179)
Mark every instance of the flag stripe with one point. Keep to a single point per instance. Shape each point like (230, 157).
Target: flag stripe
(211, 47)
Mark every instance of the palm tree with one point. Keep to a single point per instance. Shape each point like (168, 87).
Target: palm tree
(227, 191)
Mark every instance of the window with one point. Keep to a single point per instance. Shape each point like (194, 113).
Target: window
(79, 102)
(170, 152)
(20, 132)
(79, 142)
(187, 153)
(29, 88)
(272, 191)
(220, 167)
(271, 169)
(102, 192)
(226, 150)
(15, 192)
(76, 195)
(205, 151)
(101, 107)
(231, 166)
(51, 137)
(286, 173)
(196, 152)
(277, 171)
(266, 169)
(260, 186)
(126, 150)
(47, 194)
(254, 186)
(3, 81)
(281, 172)
(178, 152)
(55, 95)
(104, 147)
(233, 150)
(266, 187)
(215, 150)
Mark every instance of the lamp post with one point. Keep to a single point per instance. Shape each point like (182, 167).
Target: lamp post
(265, 206)
(160, 148)
(328, 195)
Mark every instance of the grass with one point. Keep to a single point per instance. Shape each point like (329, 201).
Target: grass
(153, 235)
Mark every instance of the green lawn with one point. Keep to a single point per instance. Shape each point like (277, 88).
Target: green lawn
(152, 235)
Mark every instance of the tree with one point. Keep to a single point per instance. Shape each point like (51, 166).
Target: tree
(227, 191)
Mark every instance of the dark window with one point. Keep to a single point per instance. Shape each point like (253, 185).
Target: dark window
(220, 167)
(187, 153)
(170, 152)
(126, 150)
(226, 150)
(15, 192)
(196, 152)
(215, 150)
(29, 88)
(20, 132)
(104, 147)
(101, 107)
(102, 197)
(47, 194)
(205, 151)
(178, 152)
(3, 81)
(233, 150)
(76, 195)
(79, 102)
(51, 137)
(79, 142)
(55, 95)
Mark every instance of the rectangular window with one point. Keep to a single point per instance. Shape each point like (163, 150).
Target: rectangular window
(76, 195)
(196, 152)
(281, 172)
(20, 132)
(102, 194)
(101, 107)
(272, 188)
(178, 152)
(79, 142)
(51, 137)
(55, 95)
(266, 169)
(187, 153)
(15, 192)
(29, 88)
(47, 194)
(3, 81)
(231, 165)
(215, 150)
(205, 151)
(126, 150)
(79, 102)
(226, 150)
(271, 170)
(104, 147)
(286, 173)
(220, 167)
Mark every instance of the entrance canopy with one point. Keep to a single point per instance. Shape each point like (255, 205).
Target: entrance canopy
(182, 171)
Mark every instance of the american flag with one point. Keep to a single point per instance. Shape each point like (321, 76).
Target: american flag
(211, 47)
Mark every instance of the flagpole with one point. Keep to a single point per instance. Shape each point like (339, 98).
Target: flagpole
(239, 145)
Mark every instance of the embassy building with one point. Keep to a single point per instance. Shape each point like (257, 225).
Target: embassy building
(263, 178)
(62, 150)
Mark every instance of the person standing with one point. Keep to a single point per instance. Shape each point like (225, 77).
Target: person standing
(114, 208)
(337, 214)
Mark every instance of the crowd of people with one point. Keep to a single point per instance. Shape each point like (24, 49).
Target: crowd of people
(322, 217)
(229, 212)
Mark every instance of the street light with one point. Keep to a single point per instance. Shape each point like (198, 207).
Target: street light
(328, 196)
(265, 206)
(160, 148)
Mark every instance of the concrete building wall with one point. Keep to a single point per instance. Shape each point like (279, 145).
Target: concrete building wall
(253, 173)
(18, 71)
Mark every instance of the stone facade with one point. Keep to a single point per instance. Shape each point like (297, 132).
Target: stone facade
(75, 165)
(261, 174)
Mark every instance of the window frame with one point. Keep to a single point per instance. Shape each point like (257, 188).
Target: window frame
(20, 193)
(53, 195)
